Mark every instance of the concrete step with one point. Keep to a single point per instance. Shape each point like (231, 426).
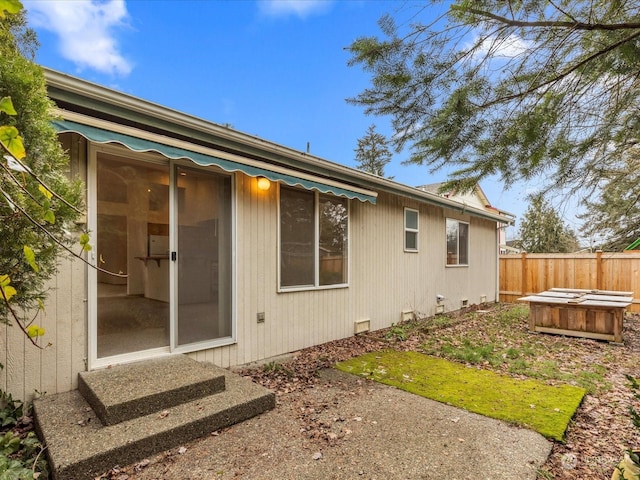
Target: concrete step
(124, 392)
(80, 446)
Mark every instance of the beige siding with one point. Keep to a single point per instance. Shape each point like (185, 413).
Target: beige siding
(387, 280)
(55, 368)
(383, 281)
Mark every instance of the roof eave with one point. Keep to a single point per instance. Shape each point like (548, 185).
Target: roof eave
(145, 110)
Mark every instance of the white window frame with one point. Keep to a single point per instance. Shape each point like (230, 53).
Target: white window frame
(411, 230)
(458, 222)
(316, 240)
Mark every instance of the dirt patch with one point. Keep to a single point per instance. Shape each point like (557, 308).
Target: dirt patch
(345, 428)
(315, 425)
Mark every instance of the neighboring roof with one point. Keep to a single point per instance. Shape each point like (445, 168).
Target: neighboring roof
(478, 194)
(510, 249)
(433, 188)
(88, 99)
(437, 187)
(634, 246)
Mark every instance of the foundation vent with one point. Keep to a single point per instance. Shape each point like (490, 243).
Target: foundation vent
(362, 326)
(406, 315)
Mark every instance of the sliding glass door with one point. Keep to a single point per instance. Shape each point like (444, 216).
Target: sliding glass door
(132, 251)
(163, 248)
(204, 256)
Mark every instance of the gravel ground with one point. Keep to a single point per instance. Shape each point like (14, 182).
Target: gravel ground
(341, 427)
(346, 428)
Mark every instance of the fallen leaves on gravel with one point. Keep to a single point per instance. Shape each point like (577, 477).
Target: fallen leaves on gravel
(599, 433)
(595, 441)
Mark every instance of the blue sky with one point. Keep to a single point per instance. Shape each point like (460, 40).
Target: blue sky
(276, 69)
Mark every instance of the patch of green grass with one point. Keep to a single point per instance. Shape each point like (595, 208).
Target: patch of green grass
(544, 474)
(591, 380)
(548, 369)
(471, 352)
(527, 350)
(502, 341)
(277, 368)
(544, 408)
(519, 367)
(512, 353)
(272, 367)
(441, 321)
(398, 332)
(513, 314)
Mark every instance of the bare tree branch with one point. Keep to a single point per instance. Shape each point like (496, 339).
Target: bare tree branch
(550, 23)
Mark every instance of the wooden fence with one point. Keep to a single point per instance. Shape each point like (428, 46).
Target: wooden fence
(530, 273)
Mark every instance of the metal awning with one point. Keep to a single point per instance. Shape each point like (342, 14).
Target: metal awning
(163, 146)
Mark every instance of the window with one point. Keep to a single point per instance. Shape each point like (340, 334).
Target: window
(457, 242)
(410, 230)
(313, 239)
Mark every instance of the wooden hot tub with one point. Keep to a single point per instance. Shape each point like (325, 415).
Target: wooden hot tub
(597, 314)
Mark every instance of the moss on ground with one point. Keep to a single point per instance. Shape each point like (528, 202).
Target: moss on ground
(546, 409)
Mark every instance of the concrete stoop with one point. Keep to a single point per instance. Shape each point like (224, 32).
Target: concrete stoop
(123, 414)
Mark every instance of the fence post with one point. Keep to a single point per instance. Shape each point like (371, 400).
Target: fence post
(524, 274)
(599, 272)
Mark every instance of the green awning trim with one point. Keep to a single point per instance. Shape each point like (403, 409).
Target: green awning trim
(99, 135)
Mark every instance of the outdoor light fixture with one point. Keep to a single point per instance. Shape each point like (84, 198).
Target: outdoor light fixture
(263, 184)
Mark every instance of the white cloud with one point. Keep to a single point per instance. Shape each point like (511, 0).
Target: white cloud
(300, 8)
(86, 31)
(509, 47)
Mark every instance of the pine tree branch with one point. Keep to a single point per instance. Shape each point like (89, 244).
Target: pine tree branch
(564, 12)
(549, 23)
(564, 74)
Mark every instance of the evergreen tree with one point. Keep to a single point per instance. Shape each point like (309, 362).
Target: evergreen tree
(514, 89)
(38, 201)
(373, 152)
(614, 214)
(542, 230)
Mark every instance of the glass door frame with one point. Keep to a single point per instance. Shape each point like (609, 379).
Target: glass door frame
(93, 362)
(174, 223)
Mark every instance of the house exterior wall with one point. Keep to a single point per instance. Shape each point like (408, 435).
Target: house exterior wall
(55, 368)
(420, 276)
(384, 280)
